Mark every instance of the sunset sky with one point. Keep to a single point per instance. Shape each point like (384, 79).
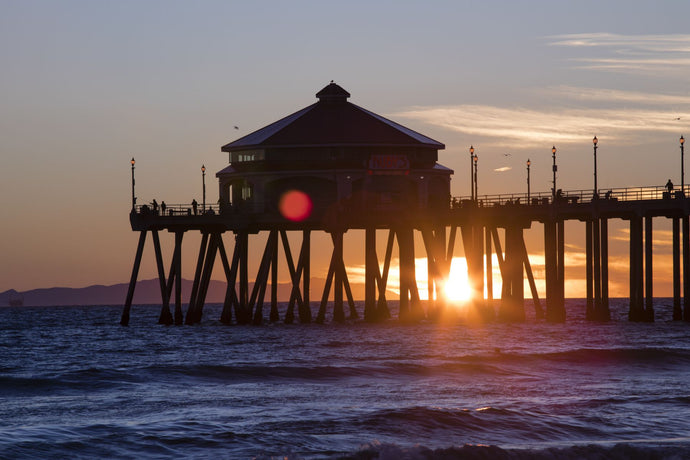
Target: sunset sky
(87, 85)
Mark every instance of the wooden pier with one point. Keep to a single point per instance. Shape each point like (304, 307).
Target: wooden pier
(361, 172)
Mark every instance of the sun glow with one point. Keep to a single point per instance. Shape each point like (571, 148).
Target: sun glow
(457, 287)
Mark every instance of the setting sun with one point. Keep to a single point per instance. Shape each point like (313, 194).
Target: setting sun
(458, 287)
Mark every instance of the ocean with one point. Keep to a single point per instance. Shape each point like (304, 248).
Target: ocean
(75, 384)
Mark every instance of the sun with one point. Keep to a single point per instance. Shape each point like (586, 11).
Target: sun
(458, 287)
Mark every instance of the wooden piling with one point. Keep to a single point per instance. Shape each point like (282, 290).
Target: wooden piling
(649, 271)
(124, 320)
(554, 270)
(686, 268)
(636, 311)
(677, 306)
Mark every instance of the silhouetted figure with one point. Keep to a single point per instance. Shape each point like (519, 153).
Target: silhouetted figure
(194, 206)
(669, 186)
(608, 195)
(163, 207)
(154, 203)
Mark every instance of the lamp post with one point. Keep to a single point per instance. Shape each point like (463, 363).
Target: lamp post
(134, 198)
(474, 160)
(203, 184)
(682, 164)
(471, 172)
(554, 168)
(529, 163)
(596, 190)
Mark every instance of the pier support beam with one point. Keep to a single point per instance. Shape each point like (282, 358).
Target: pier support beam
(649, 272)
(301, 272)
(438, 269)
(513, 298)
(337, 277)
(231, 301)
(274, 316)
(604, 312)
(371, 269)
(554, 260)
(473, 244)
(686, 268)
(165, 315)
(677, 307)
(597, 308)
(489, 270)
(124, 320)
(410, 308)
(636, 311)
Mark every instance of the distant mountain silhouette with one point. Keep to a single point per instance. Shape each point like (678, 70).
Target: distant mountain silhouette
(146, 292)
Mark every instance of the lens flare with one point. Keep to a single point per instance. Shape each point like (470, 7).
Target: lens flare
(295, 205)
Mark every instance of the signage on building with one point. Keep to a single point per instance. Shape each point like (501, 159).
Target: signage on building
(389, 162)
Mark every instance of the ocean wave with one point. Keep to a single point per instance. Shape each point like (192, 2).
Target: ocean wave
(621, 451)
(489, 422)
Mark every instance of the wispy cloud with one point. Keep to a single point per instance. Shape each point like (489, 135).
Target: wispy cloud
(629, 53)
(570, 114)
(647, 43)
(534, 127)
(503, 169)
(614, 96)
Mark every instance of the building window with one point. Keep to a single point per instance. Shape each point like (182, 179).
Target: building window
(246, 191)
(249, 155)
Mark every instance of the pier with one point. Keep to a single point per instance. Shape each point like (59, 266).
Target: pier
(335, 167)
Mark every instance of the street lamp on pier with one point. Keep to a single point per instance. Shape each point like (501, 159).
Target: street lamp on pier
(682, 164)
(529, 163)
(554, 168)
(476, 195)
(134, 198)
(471, 172)
(596, 190)
(203, 184)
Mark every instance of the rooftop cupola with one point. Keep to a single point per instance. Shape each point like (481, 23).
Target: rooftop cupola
(333, 93)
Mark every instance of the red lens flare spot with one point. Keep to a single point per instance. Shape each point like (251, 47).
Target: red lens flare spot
(295, 205)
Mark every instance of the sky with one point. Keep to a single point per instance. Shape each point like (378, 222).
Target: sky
(87, 85)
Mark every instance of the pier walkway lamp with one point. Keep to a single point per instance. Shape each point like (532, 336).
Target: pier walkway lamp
(554, 168)
(595, 141)
(203, 185)
(471, 172)
(134, 198)
(529, 163)
(682, 164)
(476, 195)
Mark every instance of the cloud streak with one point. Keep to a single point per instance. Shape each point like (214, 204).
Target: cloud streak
(535, 127)
(640, 54)
(604, 95)
(573, 115)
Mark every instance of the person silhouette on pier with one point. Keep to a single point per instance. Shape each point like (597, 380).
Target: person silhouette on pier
(669, 186)
(194, 206)
(154, 203)
(163, 206)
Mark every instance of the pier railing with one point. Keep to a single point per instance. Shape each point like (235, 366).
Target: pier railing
(534, 199)
(573, 196)
(177, 209)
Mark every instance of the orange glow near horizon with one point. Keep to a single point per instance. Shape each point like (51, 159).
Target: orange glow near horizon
(457, 287)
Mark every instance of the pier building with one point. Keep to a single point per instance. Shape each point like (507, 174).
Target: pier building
(335, 167)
